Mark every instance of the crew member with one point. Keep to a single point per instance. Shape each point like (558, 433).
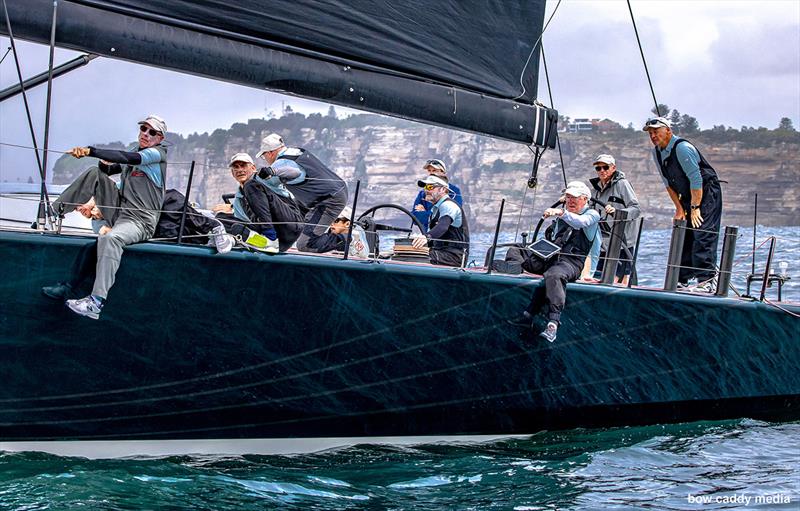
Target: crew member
(616, 194)
(319, 190)
(693, 186)
(422, 208)
(129, 211)
(268, 218)
(574, 231)
(448, 233)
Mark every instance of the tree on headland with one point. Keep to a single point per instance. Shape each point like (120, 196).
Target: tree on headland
(785, 125)
(661, 111)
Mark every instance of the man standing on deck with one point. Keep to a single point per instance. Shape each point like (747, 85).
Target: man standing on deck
(319, 190)
(422, 208)
(574, 231)
(693, 186)
(267, 216)
(616, 193)
(448, 234)
(129, 209)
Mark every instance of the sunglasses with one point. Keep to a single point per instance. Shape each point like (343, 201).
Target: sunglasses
(428, 188)
(435, 163)
(598, 168)
(149, 131)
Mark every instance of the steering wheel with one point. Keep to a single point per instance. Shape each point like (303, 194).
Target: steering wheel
(386, 227)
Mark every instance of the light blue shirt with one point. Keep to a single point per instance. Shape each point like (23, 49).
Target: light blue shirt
(288, 170)
(688, 157)
(151, 164)
(449, 208)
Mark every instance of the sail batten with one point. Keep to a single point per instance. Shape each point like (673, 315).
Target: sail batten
(450, 63)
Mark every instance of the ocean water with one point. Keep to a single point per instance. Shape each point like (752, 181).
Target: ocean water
(705, 465)
(736, 464)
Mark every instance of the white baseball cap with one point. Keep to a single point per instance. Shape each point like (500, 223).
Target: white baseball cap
(432, 180)
(155, 122)
(347, 212)
(577, 189)
(656, 122)
(241, 157)
(605, 158)
(436, 163)
(270, 143)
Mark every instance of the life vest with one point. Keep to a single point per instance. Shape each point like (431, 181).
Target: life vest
(455, 239)
(573, 242)
(320, 182)
(672, 171)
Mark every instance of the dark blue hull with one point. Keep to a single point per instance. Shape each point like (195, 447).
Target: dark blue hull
(197, 345)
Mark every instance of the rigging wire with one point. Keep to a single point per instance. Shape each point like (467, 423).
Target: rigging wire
(552, 105)
(5, 55)
(22, 88)
(644, 61)
(533, 49)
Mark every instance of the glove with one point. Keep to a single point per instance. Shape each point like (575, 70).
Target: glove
(265, 172)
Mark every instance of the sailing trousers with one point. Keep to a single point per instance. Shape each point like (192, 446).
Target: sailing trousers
(557, 272)
(699, 255)
(269, 211)
(125, 230)
(320, 217)
(92, 183)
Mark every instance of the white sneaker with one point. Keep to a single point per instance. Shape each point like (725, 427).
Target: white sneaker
(261, 243)
(86, 306)
(550, 331)
(709, 286)
(222, 240)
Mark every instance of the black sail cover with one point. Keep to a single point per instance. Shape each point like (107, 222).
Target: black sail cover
(466, 64)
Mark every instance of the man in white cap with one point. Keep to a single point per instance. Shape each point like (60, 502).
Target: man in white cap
(267, 216)
(335, 238)
(693, 186)
(616, 194)
(421, 208)
(448, 232)
(574, 231)
(129, 210)
(320, 191)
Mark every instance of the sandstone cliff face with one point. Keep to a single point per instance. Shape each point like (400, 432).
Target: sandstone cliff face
(388, 156)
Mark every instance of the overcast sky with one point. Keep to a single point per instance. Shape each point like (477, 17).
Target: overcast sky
(732, 62)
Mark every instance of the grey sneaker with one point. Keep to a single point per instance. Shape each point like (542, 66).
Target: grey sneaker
(85, 307)
(550, 331)
(222, 240)
(709, 286)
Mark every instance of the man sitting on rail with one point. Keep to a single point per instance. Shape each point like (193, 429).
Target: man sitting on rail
(129, 210)
(448, 233)
(267, 217)
(574, 231)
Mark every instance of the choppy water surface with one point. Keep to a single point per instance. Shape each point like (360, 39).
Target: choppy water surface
(657, 467)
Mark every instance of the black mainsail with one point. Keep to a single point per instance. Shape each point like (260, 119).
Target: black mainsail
(465, 64)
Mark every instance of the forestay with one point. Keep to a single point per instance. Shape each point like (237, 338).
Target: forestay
(466, 64)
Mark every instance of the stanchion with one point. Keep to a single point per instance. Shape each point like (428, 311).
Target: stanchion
(614, 245)
(675, 251)
(352, 220)
(186, 202)
(496, 235)
(726, 261)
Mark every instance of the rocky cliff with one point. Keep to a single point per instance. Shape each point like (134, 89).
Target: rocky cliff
(386, 155)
